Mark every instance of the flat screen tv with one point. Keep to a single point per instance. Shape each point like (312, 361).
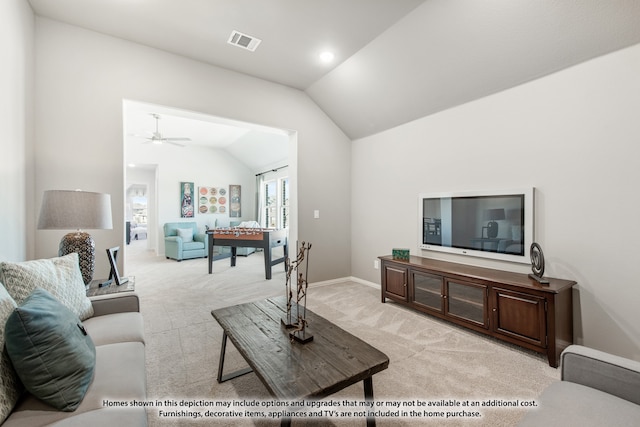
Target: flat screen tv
(488, 224)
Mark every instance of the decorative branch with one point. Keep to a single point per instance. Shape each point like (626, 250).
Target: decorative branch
(298, 324)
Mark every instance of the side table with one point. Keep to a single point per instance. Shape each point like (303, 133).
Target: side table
(94, 288)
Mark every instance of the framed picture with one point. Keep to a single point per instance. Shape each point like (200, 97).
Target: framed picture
(114, 275)
(212, 200)
(187, 209)
(235, 201)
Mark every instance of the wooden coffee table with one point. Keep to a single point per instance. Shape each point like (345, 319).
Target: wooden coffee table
(335, 359)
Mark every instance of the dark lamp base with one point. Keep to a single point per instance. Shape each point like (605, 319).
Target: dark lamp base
(82, 243)
(492, 229)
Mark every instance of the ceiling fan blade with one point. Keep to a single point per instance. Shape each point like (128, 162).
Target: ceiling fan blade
(174, 143)
(157, 138)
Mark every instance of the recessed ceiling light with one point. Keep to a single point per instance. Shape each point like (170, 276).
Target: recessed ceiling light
(327, 57)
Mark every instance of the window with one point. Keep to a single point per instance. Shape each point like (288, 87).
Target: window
(270, 204)
(275, 195)
(284, 202)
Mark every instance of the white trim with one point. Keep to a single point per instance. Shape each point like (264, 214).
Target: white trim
(345, 279)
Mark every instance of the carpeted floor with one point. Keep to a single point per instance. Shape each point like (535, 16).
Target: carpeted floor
(430, 360)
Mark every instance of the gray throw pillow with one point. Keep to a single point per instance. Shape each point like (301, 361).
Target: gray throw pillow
(50, 350)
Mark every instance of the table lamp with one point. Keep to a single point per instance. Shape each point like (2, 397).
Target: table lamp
(64, 210)
(493, 215)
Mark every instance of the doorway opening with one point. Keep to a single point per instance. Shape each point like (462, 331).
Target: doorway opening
(140, 213)
(167, 147)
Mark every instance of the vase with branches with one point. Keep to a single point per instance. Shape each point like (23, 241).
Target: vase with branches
(296, 294)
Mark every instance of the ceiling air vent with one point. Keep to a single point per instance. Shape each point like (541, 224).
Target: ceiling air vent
(243, 40)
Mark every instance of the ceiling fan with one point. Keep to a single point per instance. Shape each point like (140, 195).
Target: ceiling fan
(157, 138)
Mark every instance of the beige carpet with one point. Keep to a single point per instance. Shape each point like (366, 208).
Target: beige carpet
(430, 360)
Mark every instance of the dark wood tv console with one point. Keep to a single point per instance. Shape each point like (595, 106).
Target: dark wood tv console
(509, 306)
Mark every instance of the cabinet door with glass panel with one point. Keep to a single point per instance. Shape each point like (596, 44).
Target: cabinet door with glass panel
(466, 301)
(427, 290)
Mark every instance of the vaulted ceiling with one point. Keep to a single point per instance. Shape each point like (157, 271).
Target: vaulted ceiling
(395, 60)
(258, 147)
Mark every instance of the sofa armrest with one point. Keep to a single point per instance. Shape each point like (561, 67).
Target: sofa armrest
(121, 302)
(603, 371)
(202, 238)
(176, 240)
(173, 247)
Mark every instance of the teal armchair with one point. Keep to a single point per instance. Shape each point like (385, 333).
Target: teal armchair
(182, 241)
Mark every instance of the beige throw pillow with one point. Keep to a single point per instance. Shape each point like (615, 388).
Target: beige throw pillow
(60, 276)
(10, 387)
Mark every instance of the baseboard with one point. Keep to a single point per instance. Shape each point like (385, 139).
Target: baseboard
(364, 282)
(345, 279)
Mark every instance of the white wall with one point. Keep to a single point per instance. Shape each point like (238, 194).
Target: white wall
(572, 135)
(82, 78)
(16, 125)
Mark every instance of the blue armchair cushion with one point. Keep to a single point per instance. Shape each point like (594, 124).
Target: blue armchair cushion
(51, 351)
(192, 246)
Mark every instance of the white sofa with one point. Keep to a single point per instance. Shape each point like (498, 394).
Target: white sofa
(116, 328)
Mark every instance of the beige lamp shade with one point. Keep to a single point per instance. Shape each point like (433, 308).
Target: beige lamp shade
(67, 210)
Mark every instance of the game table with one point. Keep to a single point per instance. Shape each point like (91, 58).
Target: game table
(235, 237)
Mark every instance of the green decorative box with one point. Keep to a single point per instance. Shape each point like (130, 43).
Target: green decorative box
(402, 254)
